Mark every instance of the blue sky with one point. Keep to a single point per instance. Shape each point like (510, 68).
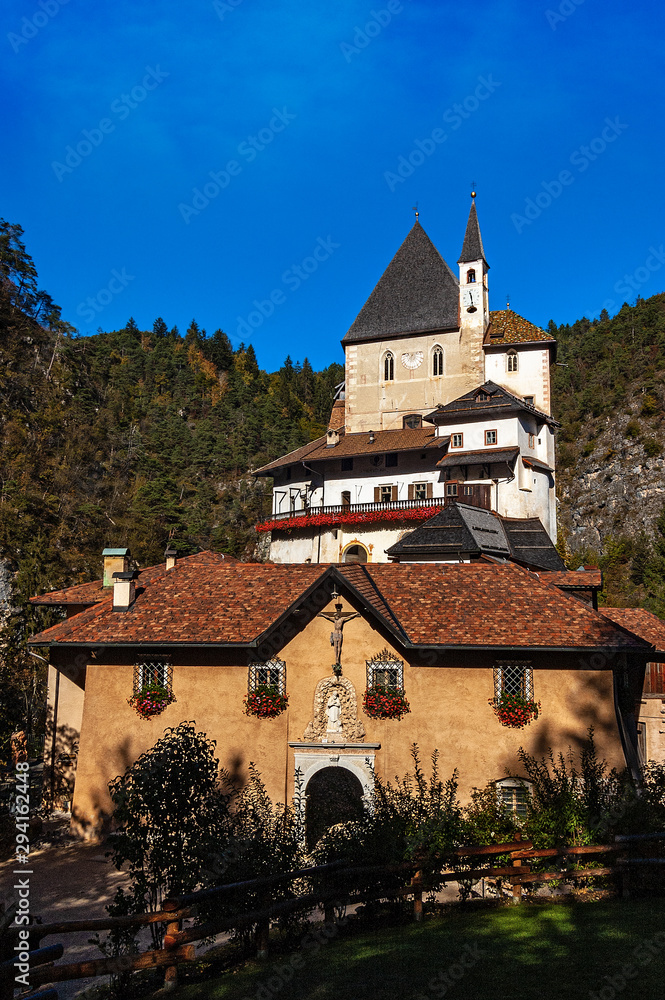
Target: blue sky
(291, 121)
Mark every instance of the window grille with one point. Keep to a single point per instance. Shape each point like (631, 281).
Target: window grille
(153, 672)
(513, 678)
(513, 794)
(385, 670)
(272, 674)
(437, 361)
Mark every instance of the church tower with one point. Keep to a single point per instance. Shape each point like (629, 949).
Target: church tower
(474, 316)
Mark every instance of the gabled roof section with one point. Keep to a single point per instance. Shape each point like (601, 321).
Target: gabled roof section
(484, 456)
(472, 248)
(642, 623)
(457, 530)
(471, 605)
(507, 327)
(359, 444)
(472, 405)
(88, 594)
(416, 292)
(530, 544)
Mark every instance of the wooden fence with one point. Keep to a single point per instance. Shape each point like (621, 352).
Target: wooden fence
(338, 884)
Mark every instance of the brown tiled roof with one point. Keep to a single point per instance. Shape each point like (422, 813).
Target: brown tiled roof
(507, 327)
(643, 623)
(483, 604)
(574, 579)
(352, 445)
(459, 605)
(94, 592)
(481, 457)
(193, 603)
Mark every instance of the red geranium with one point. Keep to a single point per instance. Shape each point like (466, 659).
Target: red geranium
(151, 700)
(385, 703)
(352, 517)
(514, 711)
(265, 702)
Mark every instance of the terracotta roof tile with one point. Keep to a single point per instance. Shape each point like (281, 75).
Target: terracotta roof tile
(643, 623)
(574, 579)
(350, 445)
(507, 327)
(475, 605)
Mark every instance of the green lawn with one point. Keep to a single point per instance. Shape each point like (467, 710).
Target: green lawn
(559, 950)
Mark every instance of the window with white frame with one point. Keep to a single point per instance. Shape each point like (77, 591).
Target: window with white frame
(157, 671)
(386, 671)
(437, 361)
(513, 795)
(389, 367)
(511, 361)
(490, 437)
(457, 441)
(420, 491)
(513, 677)
(271, 674)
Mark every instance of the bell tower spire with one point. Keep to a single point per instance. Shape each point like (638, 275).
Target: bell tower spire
(474, 298)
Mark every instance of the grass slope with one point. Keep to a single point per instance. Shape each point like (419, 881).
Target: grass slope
(556, 950)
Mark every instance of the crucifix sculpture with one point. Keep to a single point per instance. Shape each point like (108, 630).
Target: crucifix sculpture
(339, 619)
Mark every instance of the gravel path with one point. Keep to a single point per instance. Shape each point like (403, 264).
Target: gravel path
(68, 882)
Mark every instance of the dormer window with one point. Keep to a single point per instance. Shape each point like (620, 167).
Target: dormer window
(389, 367)
(437, 361)
(470, 276)
(512, 361)
(482, 397)
(529, 400)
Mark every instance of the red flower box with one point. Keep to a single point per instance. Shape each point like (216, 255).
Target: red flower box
(514, 711)
(353, 517)
(385, 703)
(151, 700)
(265, 702)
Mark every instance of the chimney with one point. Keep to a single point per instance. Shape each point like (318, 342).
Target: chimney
(115, 561)
(170, 555)
(371, 437)
(333, 437)
(124, 591)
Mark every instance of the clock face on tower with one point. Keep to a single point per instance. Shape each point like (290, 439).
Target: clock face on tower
(413, 360)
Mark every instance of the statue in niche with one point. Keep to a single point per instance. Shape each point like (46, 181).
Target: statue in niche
(334, 712)
(339, 619)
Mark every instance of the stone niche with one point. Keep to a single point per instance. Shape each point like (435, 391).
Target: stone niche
(352, 729)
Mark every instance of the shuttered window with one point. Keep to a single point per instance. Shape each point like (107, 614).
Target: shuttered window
(654, 679)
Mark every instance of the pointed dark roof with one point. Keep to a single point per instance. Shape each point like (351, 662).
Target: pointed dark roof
(472, 248)
(416, 292)
(462, 531)
(487, 400)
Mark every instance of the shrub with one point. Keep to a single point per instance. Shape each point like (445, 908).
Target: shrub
(651, 447)
(649, 405)
(632, 429)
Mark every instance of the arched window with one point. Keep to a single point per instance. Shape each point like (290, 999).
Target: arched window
(437, 361)
(389, 367)
(470, 277)
(512, 361)
(355, 554)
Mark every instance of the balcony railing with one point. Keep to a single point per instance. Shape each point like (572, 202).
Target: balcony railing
(361, 508)
(332, 515)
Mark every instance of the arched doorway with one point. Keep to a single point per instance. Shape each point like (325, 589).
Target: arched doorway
(334, 795)
(355, 554)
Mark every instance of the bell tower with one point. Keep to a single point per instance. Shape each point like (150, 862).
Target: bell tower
(474, 313)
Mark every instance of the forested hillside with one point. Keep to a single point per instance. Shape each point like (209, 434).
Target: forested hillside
(132, 437)
(608, 390)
